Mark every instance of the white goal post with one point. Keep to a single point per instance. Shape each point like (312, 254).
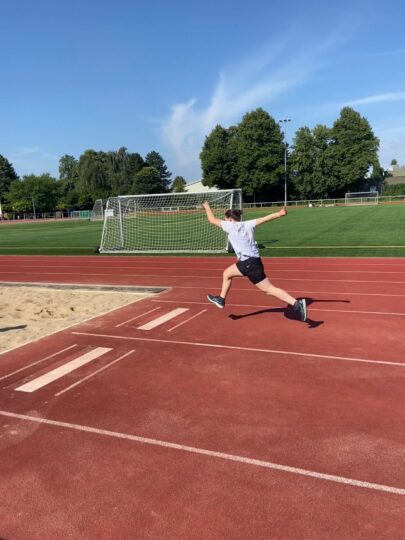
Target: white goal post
(361, 197)
(166, 223)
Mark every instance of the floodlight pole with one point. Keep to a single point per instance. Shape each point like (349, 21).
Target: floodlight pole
(284, 121)
(33, 206)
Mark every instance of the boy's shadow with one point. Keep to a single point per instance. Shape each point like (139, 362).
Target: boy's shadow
(288, 312)
(8, 328)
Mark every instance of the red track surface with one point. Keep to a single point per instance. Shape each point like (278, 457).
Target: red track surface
(232, 424)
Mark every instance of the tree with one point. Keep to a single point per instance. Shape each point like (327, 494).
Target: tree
(7, 177)
(179, 184)
(155, 160)
(394, 162)
(68, 170)
(259, 153)
(32, 191)
(94, 178)
(218, 158)
(135, 164)
(352, 152)
(310, 162)
(146, 181)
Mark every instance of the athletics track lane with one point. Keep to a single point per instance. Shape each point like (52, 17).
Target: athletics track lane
(334, 416)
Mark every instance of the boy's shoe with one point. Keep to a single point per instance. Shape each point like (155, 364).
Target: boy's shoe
(217, 300)
(300, 307)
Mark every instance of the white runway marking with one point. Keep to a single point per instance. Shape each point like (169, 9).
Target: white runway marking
(55, 374)
(164, 318)
(249, 349)
(94, 373)
(187, 320)
(37, 362)
(210, 453)
(134, 318)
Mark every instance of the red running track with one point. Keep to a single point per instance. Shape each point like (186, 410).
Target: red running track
(233, 424)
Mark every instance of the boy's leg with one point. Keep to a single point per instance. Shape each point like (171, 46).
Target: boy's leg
(299, 306)
(231, 272)
(227, 276)
(268, 288)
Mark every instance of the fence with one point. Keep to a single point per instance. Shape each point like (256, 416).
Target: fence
(389, 199)
(76, 214)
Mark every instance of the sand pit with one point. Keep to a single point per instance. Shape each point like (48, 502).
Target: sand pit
(31, 312)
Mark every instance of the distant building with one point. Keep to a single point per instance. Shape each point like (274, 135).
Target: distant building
(197, 187)
(397, 173)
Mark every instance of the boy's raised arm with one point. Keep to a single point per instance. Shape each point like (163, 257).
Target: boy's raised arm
(210, 216)
(270, 217)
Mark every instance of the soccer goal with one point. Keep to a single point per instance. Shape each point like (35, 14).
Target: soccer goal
(361, 197)
(98, 209)
(166, 223)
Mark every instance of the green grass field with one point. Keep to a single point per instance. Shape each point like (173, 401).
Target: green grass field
(365, 231)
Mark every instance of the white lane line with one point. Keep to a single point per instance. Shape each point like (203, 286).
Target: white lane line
(357, 311)
(249, 349)
(268, 266)
(137, 317)
(210, 453)
(312, 309)
(254, 291)
(149, 275)
(37, 362)
(187, 320)
(164, 318)
(55, 374)
(94, 373)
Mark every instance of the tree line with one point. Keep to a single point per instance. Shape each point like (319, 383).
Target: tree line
(322, 162)
(95, 175)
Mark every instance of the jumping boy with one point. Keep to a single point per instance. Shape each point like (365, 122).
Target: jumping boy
(249, 264)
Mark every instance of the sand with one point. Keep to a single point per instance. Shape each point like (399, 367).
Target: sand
(27, 313)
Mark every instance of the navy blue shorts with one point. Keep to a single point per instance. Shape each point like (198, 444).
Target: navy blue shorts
(253, 269)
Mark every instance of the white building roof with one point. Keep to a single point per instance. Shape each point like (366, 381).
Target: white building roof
(197, 187)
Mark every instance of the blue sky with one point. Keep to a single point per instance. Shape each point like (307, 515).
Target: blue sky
(159, 75)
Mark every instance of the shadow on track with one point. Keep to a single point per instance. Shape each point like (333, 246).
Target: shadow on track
(288, 312)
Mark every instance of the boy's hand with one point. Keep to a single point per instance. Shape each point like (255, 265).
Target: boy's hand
(283, 212)
(206, 205)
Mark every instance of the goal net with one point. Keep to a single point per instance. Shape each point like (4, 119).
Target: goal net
(98, 209)
(170, 222)
(361, 197)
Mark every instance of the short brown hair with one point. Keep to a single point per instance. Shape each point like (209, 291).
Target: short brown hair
(234, 214)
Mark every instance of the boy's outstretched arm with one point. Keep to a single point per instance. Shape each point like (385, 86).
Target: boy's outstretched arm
(270, 217)
(210, 216)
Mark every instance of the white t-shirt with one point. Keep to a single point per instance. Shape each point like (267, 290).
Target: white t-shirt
(241, 237)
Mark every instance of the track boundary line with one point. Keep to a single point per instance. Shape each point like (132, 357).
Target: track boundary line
(272, 307)
(220, 269)
(209, 277)
(254, 291)
(235, 347)
(209, 453)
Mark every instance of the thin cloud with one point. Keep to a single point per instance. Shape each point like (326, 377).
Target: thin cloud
(378, 98)
(254, 83)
